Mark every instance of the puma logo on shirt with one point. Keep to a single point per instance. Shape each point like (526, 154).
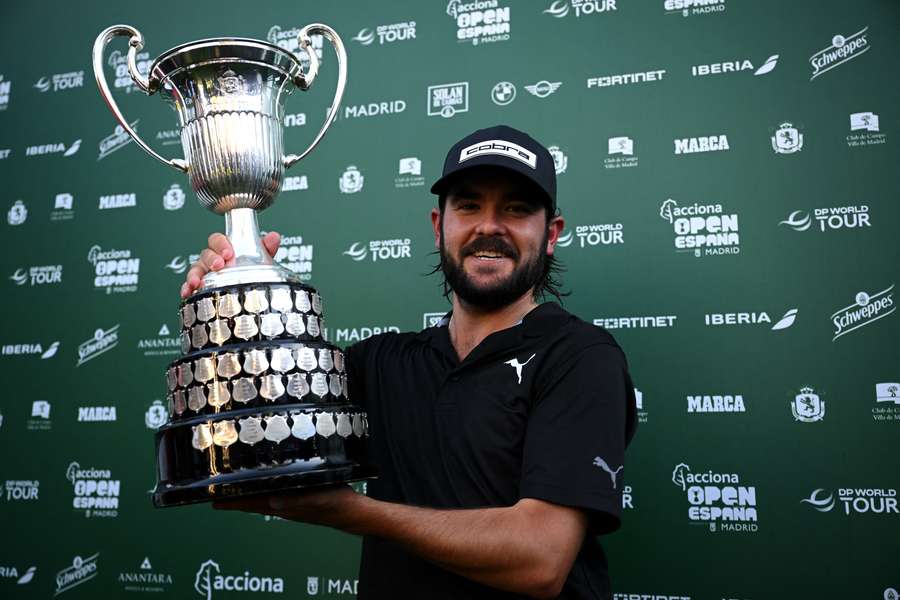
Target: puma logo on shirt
(612, 474)
(515, 364)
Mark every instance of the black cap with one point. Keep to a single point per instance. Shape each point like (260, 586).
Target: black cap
(502, 146)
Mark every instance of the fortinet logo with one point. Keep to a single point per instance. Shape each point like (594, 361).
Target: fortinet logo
(707, 143)
(625, 79)
(500, 148)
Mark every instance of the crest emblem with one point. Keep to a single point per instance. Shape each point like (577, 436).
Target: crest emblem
(244, 390)
(179, 402)
(17, 213)
(228, 365)
(787, 139)
(271, 325)
(255, 362)
(156, 415)
(297, 385)
(196, 398)
(303, 304)
(807, 406)
(231, 83)
(312, 585)
(325, 424)
(303, 427)
(204, 369)
(173, 199)
(312, 325)
(277, 428)
(294, 324)
(560, 160)
(202, 438)
(344, 428)
(326, 363)
(351, 181)
(334, 384)
(306, 359)
(251, 430)
(271, 387)
(282, 361)
(218, 394)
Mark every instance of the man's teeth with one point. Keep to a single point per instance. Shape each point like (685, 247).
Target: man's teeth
(487, 255)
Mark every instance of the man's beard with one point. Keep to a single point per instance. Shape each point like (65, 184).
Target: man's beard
(502, 292)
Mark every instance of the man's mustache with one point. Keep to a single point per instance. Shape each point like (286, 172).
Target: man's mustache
(493, 245)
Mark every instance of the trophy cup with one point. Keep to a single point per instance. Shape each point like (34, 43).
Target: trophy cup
(258, 400)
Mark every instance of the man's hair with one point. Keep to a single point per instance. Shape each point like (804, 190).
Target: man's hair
(548, 284)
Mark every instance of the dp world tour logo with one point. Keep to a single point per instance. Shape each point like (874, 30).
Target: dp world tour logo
(865, 310)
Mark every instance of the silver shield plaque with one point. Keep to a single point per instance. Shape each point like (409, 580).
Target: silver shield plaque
(281, 299)
(294, 324)
(319, 385)
(271, 387)
(277, 428)
(229, 306)
(202, 438)
(271, 325)
(325, 424)
(224, 433)
(251, 430)
(282, 360)
(244, 390)
(303, 427)
(343, 425)
(297, 385)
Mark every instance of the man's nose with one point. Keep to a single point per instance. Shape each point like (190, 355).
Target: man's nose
(491, 223)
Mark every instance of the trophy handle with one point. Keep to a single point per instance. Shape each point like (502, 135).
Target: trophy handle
(305, 80)
(148, 85)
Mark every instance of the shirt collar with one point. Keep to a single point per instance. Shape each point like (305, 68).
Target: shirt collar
(545, 318)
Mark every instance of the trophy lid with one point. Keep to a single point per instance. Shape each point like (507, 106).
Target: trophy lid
(224, 50)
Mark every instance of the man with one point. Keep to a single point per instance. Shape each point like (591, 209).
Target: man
(499, 434)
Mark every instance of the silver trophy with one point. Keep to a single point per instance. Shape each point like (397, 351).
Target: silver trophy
(258, 401)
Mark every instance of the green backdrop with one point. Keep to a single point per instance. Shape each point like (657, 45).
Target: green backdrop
(766, 464)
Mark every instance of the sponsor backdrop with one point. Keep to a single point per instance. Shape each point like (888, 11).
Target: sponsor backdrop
(728, 175)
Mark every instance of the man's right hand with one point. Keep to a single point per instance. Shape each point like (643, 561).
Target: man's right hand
(218, 255)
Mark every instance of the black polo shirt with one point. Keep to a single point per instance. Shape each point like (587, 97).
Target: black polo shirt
(541, 410)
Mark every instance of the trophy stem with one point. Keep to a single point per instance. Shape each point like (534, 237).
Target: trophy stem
(242, 230)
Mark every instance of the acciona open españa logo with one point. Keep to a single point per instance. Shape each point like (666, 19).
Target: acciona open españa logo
(209, 578)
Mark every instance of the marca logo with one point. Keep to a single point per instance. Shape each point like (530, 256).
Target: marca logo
(209, 579)
(580, 8)
(881, 501)
(707, 143)
(114, 270)
(119, 62)
(29, 348)
(387, 34)
(625, 79)
(807, 406)
(380, 250)
(12, 573)
(354, 334)
(717, 499)
(295, 120)
(102, 341)
(295, 183)
(864, 311)
(689, 8)
(5, 87)
(95, 491)
(601, 234)
(787, 139)
(116, 140)
(447, 99)
(173, 199)
(750, 318)
(623, 146)
(80, 571)
(156, 415)
(164, 344)
(636, 322)
(868, 124)
(500, 148)
(117, 201)
(15, 491)
(145, 579)
(53, 148)
(62, 207)
(409, 173)
(60, 81)
(735, 66)
(96, 414)
(842, 50)
(45, 275)
(480, 21)
(830, 218)
(293, 254)
(716, 404)
(180, 264)
(351, 181)
(703, 229)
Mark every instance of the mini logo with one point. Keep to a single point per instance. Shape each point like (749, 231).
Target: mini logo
(114, 270)
(45, 275)
(481, 22)
(864, 311)
(807, 407)
(156, 415)
(621, 145)
(447, 99)
(102, 341)
(17, 213)
(560, 160)
(829, 218)
(173, 199)
(688, 8)
(603, 81)
(703, 229)
(842, 50)
(380, 250)
(787, 139)
(409, 173)
(387, 34)
(296, 255)
(867, 121)
(410, 166)
(95, 491)
(599, 462)
(80, 571)
(351, 181)
(119, 138)
(295, 183)
(60, 82)
(503, 93)
(560, 8)
(707, 143)
(515, 364)
(117, 201)
(543, 88)
(887, 392)
(500, 148)
(40, 417)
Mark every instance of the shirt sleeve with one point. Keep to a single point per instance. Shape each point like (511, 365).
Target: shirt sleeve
(355, 357)
(579, 425)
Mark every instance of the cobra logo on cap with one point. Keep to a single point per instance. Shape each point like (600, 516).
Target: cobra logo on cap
(500, 148)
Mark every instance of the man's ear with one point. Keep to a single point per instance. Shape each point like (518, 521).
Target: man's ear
(554, 228)
(436, 226)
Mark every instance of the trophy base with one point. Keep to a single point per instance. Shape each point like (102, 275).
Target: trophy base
(248, 274)
(279, 479)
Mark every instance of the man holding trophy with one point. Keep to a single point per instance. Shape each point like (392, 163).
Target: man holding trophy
(497, 436)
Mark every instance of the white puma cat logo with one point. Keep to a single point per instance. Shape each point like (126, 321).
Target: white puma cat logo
(515, 364)
(612, 474)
